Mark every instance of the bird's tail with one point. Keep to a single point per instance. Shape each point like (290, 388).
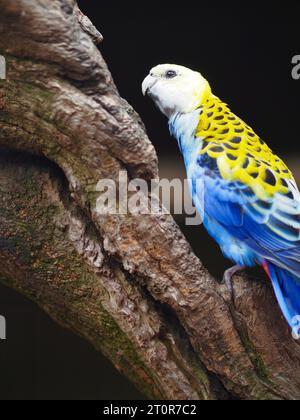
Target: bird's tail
(287, 289)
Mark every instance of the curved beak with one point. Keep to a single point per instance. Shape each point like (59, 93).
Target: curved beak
(148, 84)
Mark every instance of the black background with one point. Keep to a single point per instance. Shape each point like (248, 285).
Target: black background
(245, 53)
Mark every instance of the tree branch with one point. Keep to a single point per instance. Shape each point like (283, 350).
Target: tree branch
(60, 103)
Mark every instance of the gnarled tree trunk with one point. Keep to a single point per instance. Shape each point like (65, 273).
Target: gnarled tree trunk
(129, 284)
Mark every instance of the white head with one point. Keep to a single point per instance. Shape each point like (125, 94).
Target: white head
(175, 89)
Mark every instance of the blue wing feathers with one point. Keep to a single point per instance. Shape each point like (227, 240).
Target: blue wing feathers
(270, 228)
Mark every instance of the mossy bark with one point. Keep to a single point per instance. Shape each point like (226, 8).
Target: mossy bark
(128, 283)
(51, 252)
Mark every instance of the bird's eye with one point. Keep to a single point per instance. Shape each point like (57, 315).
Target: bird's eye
(170, 74)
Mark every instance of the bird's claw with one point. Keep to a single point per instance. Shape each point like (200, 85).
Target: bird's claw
(227, 279)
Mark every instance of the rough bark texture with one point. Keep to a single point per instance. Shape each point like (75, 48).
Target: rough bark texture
(129, 284)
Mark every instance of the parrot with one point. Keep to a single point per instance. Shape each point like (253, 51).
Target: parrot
(250, 203)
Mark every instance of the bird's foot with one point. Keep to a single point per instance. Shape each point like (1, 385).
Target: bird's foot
(227, 279)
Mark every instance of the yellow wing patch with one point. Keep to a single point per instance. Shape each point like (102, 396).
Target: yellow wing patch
(241, 155)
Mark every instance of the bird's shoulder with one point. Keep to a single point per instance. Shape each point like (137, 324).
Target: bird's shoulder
(235, 153)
